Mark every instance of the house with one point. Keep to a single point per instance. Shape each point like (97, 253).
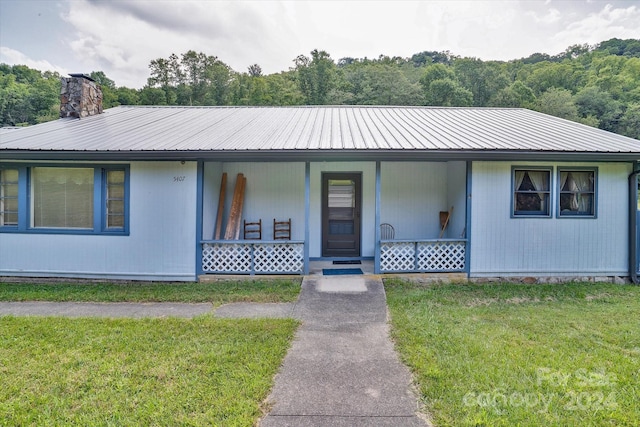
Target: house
(135, 192)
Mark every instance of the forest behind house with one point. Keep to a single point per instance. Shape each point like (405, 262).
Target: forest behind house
(595, 85)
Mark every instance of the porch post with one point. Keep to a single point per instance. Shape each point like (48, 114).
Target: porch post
(307, 213)
(633, 224)
(199, 216)
(467, 249)
(376, 267)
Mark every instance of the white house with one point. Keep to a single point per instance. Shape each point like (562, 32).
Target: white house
(134, 192)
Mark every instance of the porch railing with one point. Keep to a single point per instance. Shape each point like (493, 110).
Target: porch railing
(423, 256)
(253, 257)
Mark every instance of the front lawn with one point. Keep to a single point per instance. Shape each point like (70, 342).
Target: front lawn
(122, 372)
(98, 372)
(526, 355)
(267, 290)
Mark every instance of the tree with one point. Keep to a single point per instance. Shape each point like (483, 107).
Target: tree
(483, 79)
(255, 70)
(315, 76)
(442, 89)
(558, 102)
(630, 121)
(594, 102)
(546, 75)
(517, 95)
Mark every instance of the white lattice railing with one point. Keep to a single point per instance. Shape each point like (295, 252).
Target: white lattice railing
(253, 257)
(421, 256)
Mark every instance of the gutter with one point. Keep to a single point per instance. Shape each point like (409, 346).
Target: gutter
(633, 225)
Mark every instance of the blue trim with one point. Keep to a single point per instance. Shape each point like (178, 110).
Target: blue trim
(376, 265)
(593, 169)
(23, 205)
(99, 200)
(199, 216)
(550, 201)
(467, 255)
(307, 215)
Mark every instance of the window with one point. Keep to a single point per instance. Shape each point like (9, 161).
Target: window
(531, 192)
(62, 197)
(79, 199)
(8, 197)
(577, 192)
(115, 200)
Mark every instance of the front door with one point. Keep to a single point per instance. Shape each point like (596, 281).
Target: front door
(341, 206)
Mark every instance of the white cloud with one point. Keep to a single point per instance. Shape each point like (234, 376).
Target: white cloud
(608, 23)
(121, 38)
(12, 56)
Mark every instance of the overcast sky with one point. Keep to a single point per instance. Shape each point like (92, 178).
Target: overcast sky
(122, 37)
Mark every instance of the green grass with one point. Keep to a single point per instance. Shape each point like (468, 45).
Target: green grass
(216, 292)
(97, 372)
(521, 355)
(113, 372)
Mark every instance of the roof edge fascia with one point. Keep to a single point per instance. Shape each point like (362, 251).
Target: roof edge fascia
(322, 155)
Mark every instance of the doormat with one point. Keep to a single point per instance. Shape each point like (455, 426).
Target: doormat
(340, 271)
(347, 262)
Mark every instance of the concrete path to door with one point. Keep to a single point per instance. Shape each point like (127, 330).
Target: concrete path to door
(342, 369)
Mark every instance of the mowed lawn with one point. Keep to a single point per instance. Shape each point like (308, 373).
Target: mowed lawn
(98, 372)
(525, 355)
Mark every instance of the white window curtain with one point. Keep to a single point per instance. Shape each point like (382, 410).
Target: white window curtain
(580, 185)
(519, 179)
(584, 184)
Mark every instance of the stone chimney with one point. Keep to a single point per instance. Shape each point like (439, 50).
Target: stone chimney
(80, 96)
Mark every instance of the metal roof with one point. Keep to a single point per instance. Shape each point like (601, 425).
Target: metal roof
(331, 132)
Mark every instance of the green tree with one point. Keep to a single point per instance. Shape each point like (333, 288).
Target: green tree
(315, 76)
(630, 121)
(557, 102)
(483, 79)
(567, 75)
(442, 89)
(594, 102)
(516, 95)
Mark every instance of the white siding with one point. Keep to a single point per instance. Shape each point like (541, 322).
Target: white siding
(161, 244)
(412, 196)
(503, 246)
(457, 198)
(273, 190)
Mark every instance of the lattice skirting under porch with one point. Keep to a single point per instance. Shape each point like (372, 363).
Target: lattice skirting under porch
(422, 256)
(248, 258)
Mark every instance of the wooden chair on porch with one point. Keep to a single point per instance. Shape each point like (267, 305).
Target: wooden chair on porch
(282, 230)
(253, 230)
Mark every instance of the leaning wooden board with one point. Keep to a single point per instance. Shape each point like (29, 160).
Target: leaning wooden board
(223, 187)
(233, 223)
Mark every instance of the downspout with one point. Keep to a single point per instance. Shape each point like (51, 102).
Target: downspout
(633, 224)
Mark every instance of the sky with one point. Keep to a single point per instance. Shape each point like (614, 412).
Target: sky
(121, 37)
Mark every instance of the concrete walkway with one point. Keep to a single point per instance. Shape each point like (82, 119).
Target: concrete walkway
(108, 309)
(342, 369)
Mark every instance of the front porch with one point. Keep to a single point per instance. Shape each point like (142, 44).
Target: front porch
(409, 195)
(287, 257)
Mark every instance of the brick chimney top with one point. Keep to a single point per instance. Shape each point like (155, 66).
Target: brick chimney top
(80, 96)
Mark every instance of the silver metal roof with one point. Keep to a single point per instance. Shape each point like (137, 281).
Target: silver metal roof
(346, 132)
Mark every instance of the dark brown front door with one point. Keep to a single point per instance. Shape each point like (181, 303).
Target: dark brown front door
(341, 203)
